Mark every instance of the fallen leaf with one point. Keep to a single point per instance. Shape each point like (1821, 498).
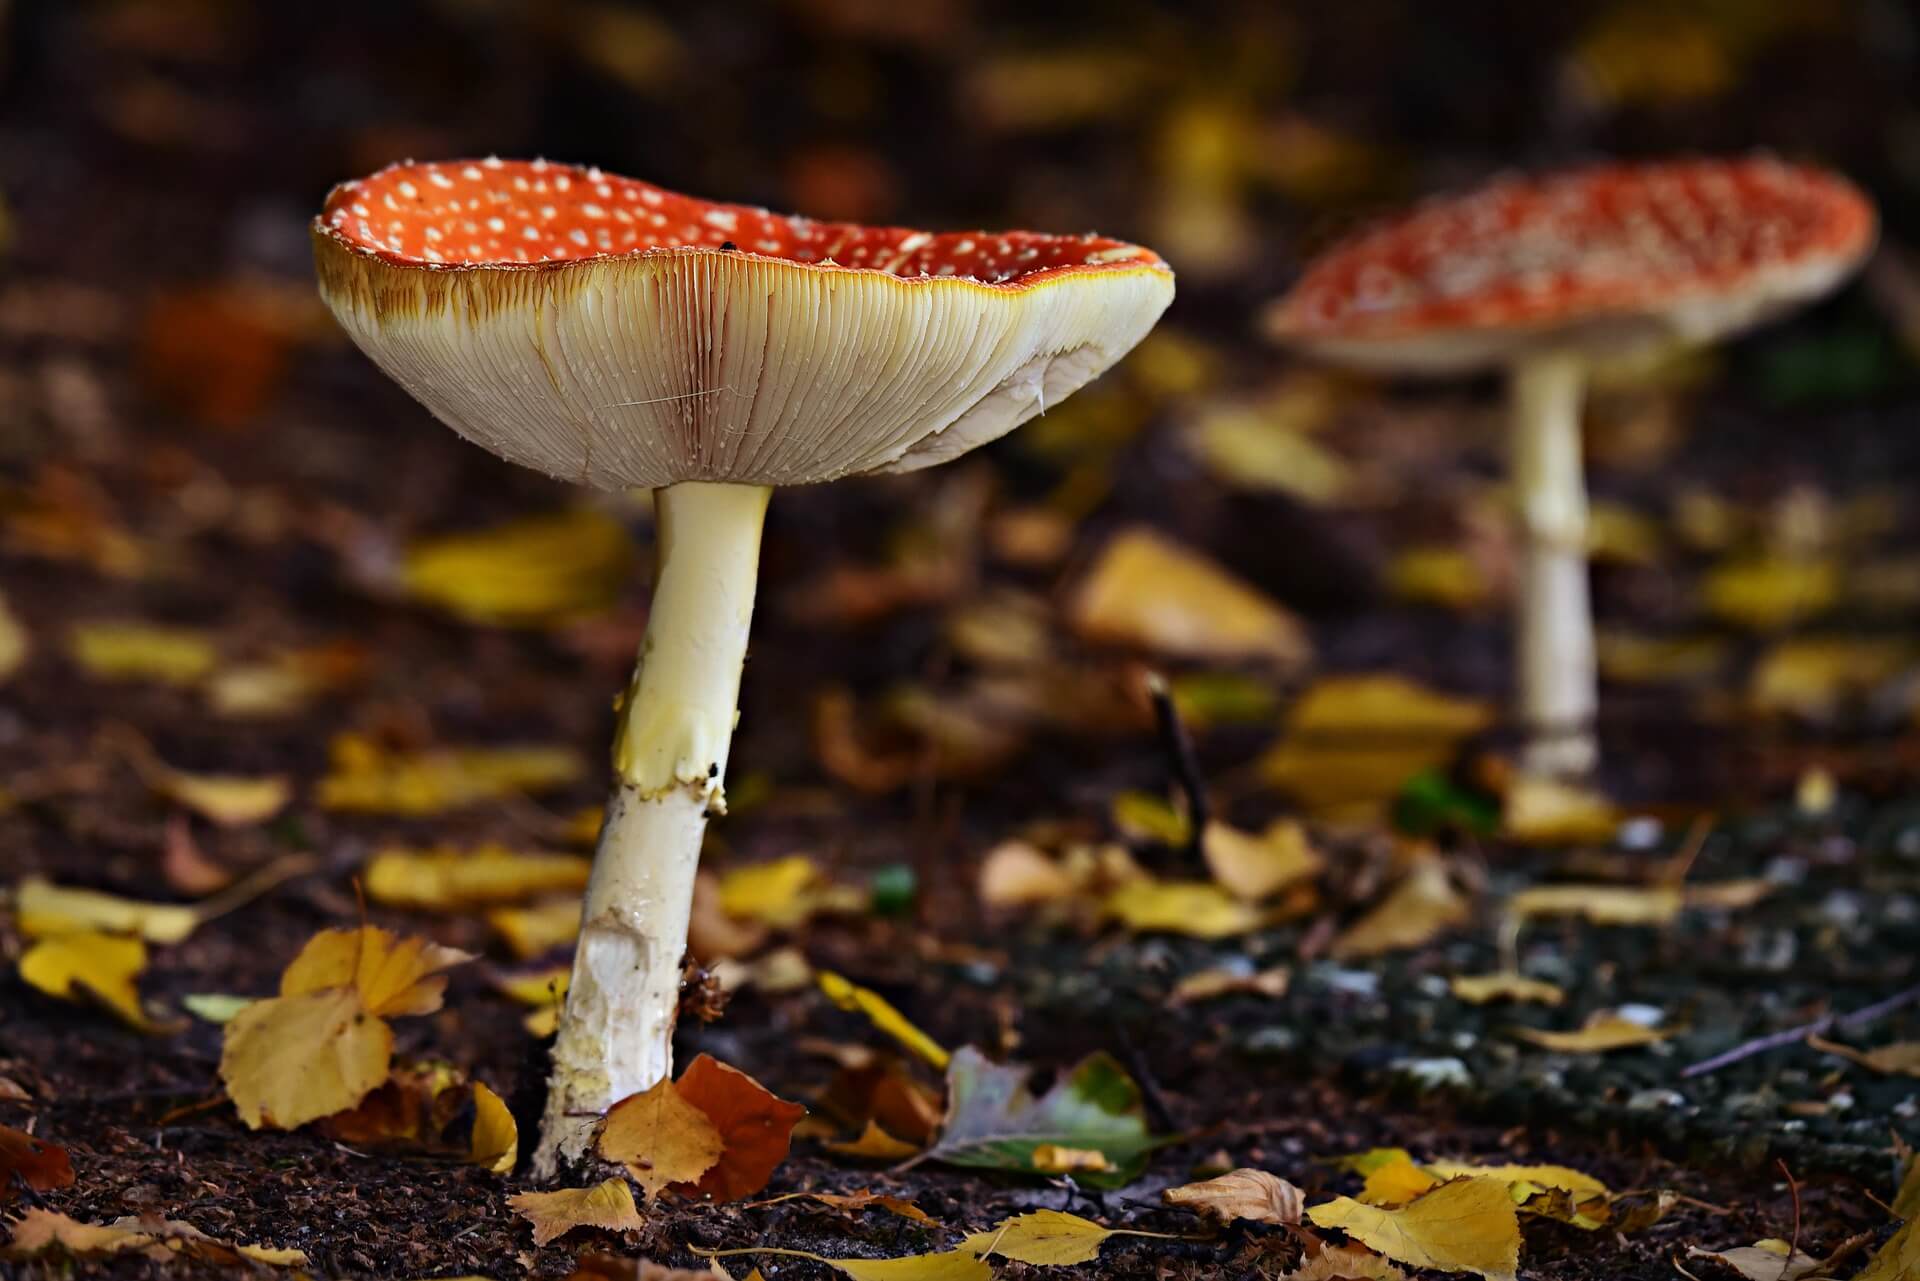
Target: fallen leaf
(448, 878)
(994, 1122)
(185, 866)
(495, 1145)
(1246, 446)
(39, 1165)
(1344, 1263)
(1423, 906)
(1208, 985)
(1392, 1178)
(161, 1240)
(391, 974)
(1483, 989)
(1145, 590)
(119, 650)
(660, 1137)
(85, 963)
(1051, 1158)
(1225, 698)
(215, 1007)
(1444, 576)
(539, 929)
(1254, 867)
(1468, 1225)
(1819, 676)
(860, 1200)
(607, 1205)
(1604, 1030)
(1546, 811)
(1018, 874)
(15, 643)
(755, 1129)
(1045, 1238)
(365, 778)
(1248, 1194)
(1770, 1260)
(1901, 1058)
(533, 571)
(43, 909)
(1349, 743)
(859, 1000)
(1769, 592)
(950, 1265)
(874, 1144)
(286, 683)
(1906, 1201)
(1199, 909)
(1897, 1260)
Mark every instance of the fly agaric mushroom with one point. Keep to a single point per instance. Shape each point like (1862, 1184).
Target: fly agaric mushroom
(1539, 277)
(610, 333)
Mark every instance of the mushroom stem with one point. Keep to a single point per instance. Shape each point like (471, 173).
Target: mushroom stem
(1558, 686)
(670, 760)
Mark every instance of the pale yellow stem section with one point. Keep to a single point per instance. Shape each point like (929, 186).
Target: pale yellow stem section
(670, 760)
(1558, 684)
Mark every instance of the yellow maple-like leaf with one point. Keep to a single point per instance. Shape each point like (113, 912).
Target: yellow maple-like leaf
(1349, 743)
(447, 877)
(1601, 904)
(365, 778)
(538, 929)
(607, 1205)
(860, 1000)
(135, 651)
(391, 974)
(1603, 1031)
(1468, 1225)
(660, 1137)
(1423, 906)
(1483, 989)
(1816, 676)
(1147, 591)
(289, 1060)
(1254, 867)
(495, 1145)
(77, 964)
(531, 571)
(1195, 908)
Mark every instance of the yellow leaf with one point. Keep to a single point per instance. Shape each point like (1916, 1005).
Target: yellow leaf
(875, 1144)
(135, 651)
(1623, 536)
(74, 964)
(1583, 1187)
(1483, 989)
(536, 930)
(1603, 1031)
(1546, 811)
(1146, 591)
(1046, 1238)
(1601, 904)
(1817, 676)
(228, 800)
(365, 778)
(1207, 985)
(293, 1059)
(447, 877)
(1225, 698)
(1651, 660)
(1246, 446)
(1465, 1226)
(1770, 592)
(1898, 1259)
(544, 986)
(15, 644)
(607, 1205)
(532, 571)
(1253, 1195)
(1423, 906)
(495, 1144)
(1396, 1180)
(390, 974)
(1350, 742)
(1142, 816)
(1906, 1201)
(1017, 874)
(1436, 575)
(1256, 867)
(1052, 1158)
(42, 909)
(1194, 908)
(660, 1137)
(860, 1000)
(773, 893)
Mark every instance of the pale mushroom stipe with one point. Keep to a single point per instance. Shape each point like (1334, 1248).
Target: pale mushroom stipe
(1539, 277)
(608, 332)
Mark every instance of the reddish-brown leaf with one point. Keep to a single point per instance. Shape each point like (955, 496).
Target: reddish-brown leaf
(755, 1125)
(40, 1165)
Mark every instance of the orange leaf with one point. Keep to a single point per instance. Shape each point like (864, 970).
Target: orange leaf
(42, 1166)
(754, 1124)
(660, 1137)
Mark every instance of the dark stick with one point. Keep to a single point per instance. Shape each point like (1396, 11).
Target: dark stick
(1819, 1027)
(1178, 745)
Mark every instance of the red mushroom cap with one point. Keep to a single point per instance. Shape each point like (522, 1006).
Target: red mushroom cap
(606, 331)
(1602, 259)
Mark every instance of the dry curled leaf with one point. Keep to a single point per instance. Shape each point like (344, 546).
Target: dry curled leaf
(1046, 1238)
(607, 1205)
(1248, 1194)
(1345, 1263)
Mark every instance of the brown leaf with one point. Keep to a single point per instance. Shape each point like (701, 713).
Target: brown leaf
(607, 1205)
(42, 1166)
(1901, 1058)
(755, 1126)
(660, 1137)
(1248, 1194)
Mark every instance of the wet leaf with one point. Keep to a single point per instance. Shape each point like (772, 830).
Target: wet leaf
(1468, 1225)
(1248, 1194)
(1252, 448)
(40, 1165)
(1146, 591)
(495, 1145)
(1254, 867)
(78, 965)
(1603, 1031)
(755, 1127)
(860, 1000)
(1484, 989)
(1194, 908)
(228, 800)
(1350, 743)
(533, 571)
(660, 1137)
(607, 1205)
(133, 651)
(448, 878)
(162, 1240)
(994, 1122)
(1770, 1260)
(1422, 907)
(365, 778)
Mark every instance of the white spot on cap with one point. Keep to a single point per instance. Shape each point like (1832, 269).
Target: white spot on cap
(724, 219)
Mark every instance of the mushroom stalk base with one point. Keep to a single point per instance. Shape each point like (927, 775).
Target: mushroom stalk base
(670, 757)
(1558, 684)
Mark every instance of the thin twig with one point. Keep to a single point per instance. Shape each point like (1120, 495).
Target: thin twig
(1178, 745)
(1793, 1035)
(1793, 1246)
